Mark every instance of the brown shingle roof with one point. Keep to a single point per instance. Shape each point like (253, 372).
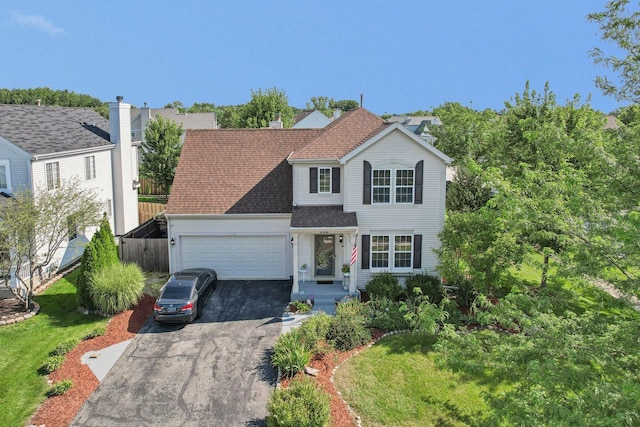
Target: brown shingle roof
(246, 170)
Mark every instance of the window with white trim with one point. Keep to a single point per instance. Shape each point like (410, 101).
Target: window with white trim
(381, 186)
(392, 252)
(404, 186)
(53, 175)
(5, 176)
(324, 180)
(90, 167)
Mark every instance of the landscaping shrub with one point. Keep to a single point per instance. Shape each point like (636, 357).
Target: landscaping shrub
(116, 288)
(96, 332)
(429, 285)
(53, 363)
(313, 333)
(64, 347)
(301, 307)
(386, 315)
(290, 354)
(353, 308)
(101, 252)
(348, 332)
(60, 388)
(466, 293)
(302, 404)
(384, 285)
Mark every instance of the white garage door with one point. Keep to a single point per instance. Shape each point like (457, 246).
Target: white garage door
(237, 257)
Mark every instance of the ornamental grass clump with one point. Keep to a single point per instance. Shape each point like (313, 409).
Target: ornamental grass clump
(313, 333)
(116, 288)
(64, 347)
(60, 388)
(290, 354)
(302, 404)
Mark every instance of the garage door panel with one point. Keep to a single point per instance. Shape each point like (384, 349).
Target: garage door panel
(237, 257)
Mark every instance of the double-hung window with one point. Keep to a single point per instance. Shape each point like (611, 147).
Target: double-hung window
(392, 252)
(324, 180)
(90, 167)
(404, 186)
(5, 176)
(53, 175)
(381, 186)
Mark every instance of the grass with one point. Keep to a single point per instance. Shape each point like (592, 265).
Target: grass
(26, 347)
(396, 382)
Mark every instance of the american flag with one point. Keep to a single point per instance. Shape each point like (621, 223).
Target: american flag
(354, 254)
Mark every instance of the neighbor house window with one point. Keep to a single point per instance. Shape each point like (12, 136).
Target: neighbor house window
(324, 180)
(381, 186)
(404, 186)
(391, 252)
(90, 167)
(53, 175)
(5, 175)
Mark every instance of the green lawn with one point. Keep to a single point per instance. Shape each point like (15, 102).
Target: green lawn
(24, 347)
(397, 383)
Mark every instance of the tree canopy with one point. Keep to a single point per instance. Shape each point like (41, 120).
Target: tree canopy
(161, 151)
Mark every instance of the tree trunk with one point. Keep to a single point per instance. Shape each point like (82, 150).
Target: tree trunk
(545, 269)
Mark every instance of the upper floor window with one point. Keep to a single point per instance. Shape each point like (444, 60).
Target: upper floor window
(392, 185)
(324, 180)
(404, 186)
(5, 175)
(53, 175)
(90, 167)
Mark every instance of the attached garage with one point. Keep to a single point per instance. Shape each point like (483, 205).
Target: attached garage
(250, 257)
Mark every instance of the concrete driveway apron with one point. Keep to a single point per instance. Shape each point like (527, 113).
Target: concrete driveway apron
(213, 372)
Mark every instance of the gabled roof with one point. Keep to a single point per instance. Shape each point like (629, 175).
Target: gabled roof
(342, 136)
(48, 130)
(227, 171)
(187, 120)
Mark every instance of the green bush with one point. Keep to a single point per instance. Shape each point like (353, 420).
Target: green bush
(64, 347)
(302, 404)
(348, 332)
(301, 306)
(96, 332)
(466, 293)
(59, 388)
(116, 288)
(101, 252)
(384, 285)
(430, 287)
(353, 308)
(313, 333)
(386, 315)
(53, 363)
(290, 354)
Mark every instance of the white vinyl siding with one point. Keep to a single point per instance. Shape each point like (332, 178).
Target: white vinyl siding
(53, 175)
(301, 184)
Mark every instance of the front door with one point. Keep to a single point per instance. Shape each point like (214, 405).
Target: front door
(325, 255)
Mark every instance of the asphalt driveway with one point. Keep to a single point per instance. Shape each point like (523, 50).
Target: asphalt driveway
(213, 372)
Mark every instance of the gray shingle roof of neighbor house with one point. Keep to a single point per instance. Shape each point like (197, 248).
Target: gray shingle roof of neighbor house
(42, 130)
(227, 171)
(322, 216)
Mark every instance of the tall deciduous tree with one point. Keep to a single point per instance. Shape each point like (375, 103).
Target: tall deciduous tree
(161, 151)
(33, 226)
(263, 107)
(620, 25)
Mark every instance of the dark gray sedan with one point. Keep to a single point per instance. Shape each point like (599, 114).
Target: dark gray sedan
(182, 298)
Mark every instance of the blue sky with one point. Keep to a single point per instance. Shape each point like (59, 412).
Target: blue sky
(401, 55)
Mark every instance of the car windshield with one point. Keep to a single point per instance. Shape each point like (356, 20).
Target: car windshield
(177, 290)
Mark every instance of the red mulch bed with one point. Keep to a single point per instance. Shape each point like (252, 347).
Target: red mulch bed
(58, 411)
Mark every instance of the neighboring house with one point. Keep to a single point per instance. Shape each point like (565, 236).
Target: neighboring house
(42, 146)
(418, 125)
(260, 203)
(313, 119)
(140, 118)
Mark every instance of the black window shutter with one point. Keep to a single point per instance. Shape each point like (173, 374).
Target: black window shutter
(417, 251)
(366, 241)
(366, 187)
(418, 182)
(313, 180)
(335, 180)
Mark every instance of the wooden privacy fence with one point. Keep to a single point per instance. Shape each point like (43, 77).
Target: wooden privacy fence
(149, 187)
(147, 246)
(147, 210)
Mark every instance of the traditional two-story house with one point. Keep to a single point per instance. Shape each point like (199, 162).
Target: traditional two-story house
(263, 203)
(40, 147)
